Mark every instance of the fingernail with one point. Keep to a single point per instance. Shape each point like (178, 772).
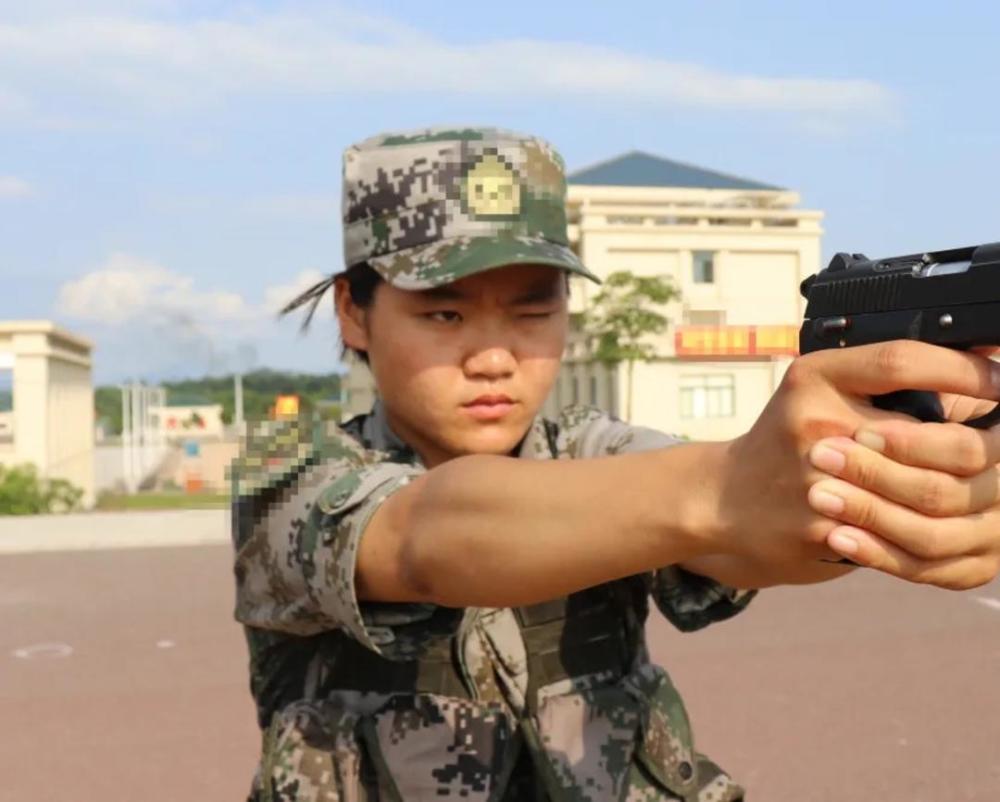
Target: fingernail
(826, 503)
(842, 544)
(870, 439)
(827, 459)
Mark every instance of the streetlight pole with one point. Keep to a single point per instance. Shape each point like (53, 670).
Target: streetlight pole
(238, 402)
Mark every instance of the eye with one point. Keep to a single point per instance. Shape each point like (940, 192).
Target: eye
(444, 316)
(536, 314)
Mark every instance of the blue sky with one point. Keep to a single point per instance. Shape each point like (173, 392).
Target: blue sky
(169, 171)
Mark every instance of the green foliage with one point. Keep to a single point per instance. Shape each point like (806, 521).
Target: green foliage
(623, 314)
(259, 390)
(108, 405)
(24, 492)
(167, 500)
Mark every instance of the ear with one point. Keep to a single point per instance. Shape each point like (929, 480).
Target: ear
(351, 317)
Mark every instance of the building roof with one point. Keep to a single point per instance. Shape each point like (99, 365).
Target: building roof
(44, 327)
(638, 169)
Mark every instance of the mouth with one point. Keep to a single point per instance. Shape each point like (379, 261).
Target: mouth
(489, 407)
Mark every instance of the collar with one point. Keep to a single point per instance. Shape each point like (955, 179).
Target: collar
(379, 435)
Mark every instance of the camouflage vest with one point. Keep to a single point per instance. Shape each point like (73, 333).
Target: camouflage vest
(555, 701)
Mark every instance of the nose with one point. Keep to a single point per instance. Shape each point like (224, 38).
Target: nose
(492, 362)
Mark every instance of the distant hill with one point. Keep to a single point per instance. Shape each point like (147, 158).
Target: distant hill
(259, 390)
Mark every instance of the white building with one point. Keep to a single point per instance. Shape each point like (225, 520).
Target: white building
(50, 422)
(187, 418)
(736, 250)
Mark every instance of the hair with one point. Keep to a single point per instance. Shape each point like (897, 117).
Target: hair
(362, 281)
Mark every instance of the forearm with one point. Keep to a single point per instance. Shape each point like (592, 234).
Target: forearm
(738, 571)
(498, 532)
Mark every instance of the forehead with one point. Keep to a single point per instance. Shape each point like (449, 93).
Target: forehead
(512, 280)
(511, 283)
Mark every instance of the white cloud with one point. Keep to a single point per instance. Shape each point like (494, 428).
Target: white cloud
(169, 63)
(149, 320)
(11, 187)
(128, 289)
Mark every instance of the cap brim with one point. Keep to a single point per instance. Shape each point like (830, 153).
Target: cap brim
(448, 260)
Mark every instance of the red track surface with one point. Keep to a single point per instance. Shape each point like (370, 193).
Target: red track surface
(866, 689)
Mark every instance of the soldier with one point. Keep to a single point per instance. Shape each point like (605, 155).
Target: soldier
(428, 617)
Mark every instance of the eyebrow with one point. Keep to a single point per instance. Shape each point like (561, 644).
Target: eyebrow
(540, 293)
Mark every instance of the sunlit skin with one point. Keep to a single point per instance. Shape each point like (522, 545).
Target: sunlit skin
(434, 353)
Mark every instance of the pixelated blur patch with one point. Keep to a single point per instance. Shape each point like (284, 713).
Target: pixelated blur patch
(491, 189)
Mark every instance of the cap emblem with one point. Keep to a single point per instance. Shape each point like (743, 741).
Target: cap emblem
(492, 190)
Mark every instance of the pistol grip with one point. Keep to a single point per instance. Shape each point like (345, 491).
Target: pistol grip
(926, 406)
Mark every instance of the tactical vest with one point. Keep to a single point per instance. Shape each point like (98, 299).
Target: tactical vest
(599, 722)
(588, 720)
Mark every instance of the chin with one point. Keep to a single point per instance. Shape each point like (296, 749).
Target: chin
(486, 441)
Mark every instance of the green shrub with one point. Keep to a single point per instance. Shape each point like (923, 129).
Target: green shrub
(24, 492)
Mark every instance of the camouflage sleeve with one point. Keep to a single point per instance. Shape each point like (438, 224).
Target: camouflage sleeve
(296, 571)
(688, 600)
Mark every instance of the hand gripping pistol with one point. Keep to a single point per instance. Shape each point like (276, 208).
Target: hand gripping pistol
(949, 298)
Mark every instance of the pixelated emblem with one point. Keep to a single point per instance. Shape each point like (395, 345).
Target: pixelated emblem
(492, 189)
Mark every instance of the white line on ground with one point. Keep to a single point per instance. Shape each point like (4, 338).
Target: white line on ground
(986, 601)
(165, 644)
(43, 650)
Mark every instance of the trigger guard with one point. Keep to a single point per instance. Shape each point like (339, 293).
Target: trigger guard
(985, 421)
(920, 404)
(926, 407)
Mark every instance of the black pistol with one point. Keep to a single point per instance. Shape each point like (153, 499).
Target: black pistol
(949, 298)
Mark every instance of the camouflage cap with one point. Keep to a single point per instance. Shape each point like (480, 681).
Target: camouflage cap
(431, 206)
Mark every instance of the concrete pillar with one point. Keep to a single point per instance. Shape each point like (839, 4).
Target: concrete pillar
(53, 403)
(31, 400)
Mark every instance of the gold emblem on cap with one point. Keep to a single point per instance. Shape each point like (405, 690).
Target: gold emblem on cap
(492, 189)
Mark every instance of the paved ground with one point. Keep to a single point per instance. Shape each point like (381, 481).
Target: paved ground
(85, 531)
(122, 677)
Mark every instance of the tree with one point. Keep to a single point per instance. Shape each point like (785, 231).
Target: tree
(622, 315)
(23, 492)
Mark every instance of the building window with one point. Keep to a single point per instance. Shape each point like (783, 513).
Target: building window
(576, 390)
(704, 267)
(708, 396)
(705, 317)
(593, 391)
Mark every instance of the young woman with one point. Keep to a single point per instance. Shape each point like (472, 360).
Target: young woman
(445, 598)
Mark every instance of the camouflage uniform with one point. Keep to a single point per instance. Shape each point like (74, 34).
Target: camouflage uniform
(406, 702)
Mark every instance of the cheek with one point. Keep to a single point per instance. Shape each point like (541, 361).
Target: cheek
(539, 372)
(544, 346)
(409, 360)
(540, 361)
